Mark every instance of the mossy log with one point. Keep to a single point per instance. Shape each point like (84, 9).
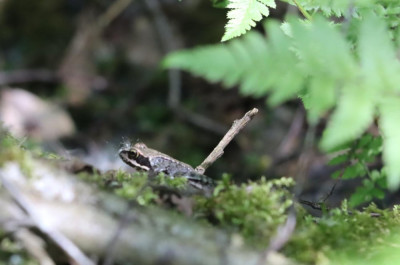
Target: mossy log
(57, 201)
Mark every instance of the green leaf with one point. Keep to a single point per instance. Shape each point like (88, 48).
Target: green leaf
(336, 174)
(378, 193)
(220, 3)
(244, 14)
(285, 76)
(333, 7)
(365, 140)
(379, 64)
(353, 115)
(375, 175)
(241, 61)
(382, 182)
(339, 159)
(320, 45)
(376, 145)
(215, 63)
(321, 97)
(353, 171)
(390, 126)
(361, 195)
(323, 49)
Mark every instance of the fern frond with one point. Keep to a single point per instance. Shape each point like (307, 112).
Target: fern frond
(390, 127)
(244, 14)
(384, 8)
(318, 64)
(327, 7)
(245, 62)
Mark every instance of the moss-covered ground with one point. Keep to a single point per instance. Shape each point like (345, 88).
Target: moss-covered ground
(252, 211)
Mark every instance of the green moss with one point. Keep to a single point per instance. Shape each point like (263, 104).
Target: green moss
(340, 235)
(136, 185)
(14, 253)
(12, 150)
(178, 183)
(257, 209)
(133, 186)
(254, 210)
(139, 186)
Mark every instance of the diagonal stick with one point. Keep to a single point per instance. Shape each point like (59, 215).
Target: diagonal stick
(228, 137)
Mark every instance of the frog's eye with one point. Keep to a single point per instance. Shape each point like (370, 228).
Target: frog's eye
(133, 155)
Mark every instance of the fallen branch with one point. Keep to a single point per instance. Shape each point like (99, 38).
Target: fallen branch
(89, 219)
(27, 75)
(219, 149)
(73, 252)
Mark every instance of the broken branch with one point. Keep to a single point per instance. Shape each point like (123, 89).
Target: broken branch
(219, 149)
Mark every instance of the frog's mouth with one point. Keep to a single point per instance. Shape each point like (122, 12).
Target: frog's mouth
(135, 159)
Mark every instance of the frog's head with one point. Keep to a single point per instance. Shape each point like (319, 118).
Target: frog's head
(136, 155)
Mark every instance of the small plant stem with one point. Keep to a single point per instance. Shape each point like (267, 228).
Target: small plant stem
(219, 149)
(302, 10)
(115, 9)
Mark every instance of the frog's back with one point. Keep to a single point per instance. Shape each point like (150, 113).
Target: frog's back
(169, 166)
(175, 168)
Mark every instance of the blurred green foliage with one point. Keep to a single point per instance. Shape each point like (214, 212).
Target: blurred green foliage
(343, 237)
(316, 61)
(358, 155)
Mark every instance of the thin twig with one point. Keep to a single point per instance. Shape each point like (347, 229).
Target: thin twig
(314, 205)
(321, 207)
(72, 251)
(333, 188)
(111, 13)
(219, 149)
(302, 10)
(290, 141)
(305, 160)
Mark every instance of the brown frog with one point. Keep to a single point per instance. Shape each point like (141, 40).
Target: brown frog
(144, 158)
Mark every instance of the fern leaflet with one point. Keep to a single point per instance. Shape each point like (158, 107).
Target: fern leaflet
(244, 14)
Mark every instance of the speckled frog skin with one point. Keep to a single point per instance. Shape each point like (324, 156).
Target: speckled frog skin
(144, 158)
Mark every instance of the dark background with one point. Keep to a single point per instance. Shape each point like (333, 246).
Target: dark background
(105, 71)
